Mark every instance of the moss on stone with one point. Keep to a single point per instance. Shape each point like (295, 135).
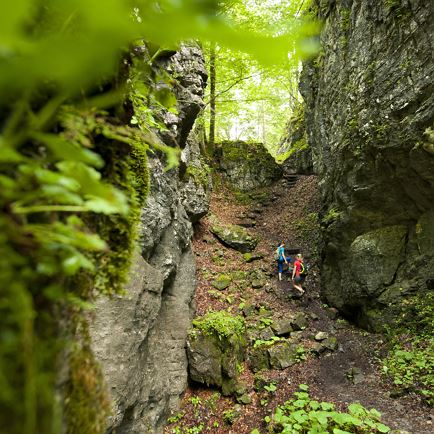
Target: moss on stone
(221, 282)
(87, 404)
(200, 174)
(126, 167)
(220, 323)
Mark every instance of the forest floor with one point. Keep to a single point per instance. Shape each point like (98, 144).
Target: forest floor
(288, 214)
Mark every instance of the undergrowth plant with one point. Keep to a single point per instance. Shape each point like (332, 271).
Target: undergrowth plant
(304, 415)
(410, 361)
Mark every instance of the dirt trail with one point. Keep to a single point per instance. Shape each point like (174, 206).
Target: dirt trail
(288, 213)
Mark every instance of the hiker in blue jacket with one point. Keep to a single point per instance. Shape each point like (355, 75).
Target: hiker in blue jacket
(281, 258)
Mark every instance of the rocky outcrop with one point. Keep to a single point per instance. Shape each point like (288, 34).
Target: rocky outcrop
(140, 337)
(235, 236)
(370, 119)
(294, 151)
(216, 348)
(246, 166)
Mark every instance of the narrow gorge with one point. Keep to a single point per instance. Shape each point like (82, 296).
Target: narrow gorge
(140, 292)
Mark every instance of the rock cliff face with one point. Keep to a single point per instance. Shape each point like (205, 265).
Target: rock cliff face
(370, 120)
(294, 150)
(246, 166)
(140, 337)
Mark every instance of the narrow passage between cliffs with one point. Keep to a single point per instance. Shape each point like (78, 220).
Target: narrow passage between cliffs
(291, 340)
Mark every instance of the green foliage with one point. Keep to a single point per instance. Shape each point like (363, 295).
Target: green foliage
(270, 388)
(123, 150)
(345, 19)
(269, 342)
(304, 415)
(331, 216)
(298, 146)
(229, 416)
(399, 8)
(266, 94)
(265, 322)
(410, 361)
(220, 323)
(73, 177)
(300, 354)
(200, 175)
(87, 404)
(176, 418)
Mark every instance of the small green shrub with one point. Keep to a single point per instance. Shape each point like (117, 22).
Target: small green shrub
(304, 415)
(229, 416)
(221, 323)
(176, 418)
(271, 341)
(410, 361)
(270, 388)
(332, 215)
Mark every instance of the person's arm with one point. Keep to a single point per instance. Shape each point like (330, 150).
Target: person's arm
(284, 256)
(294, 269)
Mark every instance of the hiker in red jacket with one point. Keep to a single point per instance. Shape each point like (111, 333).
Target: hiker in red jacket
(297, 273)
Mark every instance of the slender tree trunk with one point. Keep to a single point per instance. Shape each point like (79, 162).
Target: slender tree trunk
(212, 105)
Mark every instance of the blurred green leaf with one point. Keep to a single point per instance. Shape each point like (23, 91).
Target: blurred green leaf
(63, 149)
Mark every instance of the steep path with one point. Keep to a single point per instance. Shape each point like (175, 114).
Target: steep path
(349, 373)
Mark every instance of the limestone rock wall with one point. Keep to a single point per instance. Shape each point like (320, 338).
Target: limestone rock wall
(370, 118)
(294, 150)
(246, 166)
(140, 337)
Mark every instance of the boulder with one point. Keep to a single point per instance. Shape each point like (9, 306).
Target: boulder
(235, 237)
(257, 283)
(355, 375)
(299, 322)
(318, 349)
(250, 257)
(244, 399)
(246, 166)
(266, 334)
(259, 358)
(282, 326)
(249, 310)
(320, 336)
(331, 343)
(283, 355)
(221, 282)
(215, 349)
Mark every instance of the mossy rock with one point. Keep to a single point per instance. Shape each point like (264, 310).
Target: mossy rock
(236, 237)
(216, 347)
(259, 358)
(283, 355)
(331, 343)
(222, 282)
(246, 166)
(282, 327)
(250, 257)
(299, 322)
(258, 284)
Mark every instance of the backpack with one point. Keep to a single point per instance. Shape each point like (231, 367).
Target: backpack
(276, 254)
(304, 269)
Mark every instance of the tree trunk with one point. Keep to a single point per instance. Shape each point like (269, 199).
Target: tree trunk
(212, 105)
